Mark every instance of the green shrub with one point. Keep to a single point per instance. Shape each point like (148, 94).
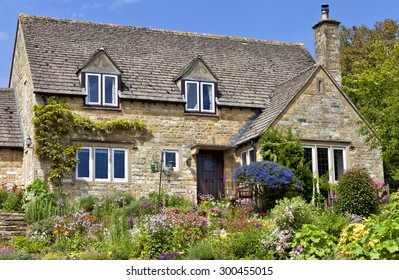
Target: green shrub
(42, 230)
(285, 148)
(293, 213)
(86, 203)
(25, 245)
(371, 240)
(11, 198)
(59, 255)
(40, 208)
(3, 196)
(240, 245)
(201, 251)
(311, 243)
(332, 222)
(38, 188)
(93, 256)
(355, 193)
(390, 210)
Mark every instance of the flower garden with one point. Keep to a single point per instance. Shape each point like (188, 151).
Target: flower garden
(119, 227)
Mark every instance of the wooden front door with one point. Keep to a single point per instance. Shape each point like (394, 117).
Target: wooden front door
(210, 173)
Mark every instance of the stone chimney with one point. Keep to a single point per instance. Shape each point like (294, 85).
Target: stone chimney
(326, 42)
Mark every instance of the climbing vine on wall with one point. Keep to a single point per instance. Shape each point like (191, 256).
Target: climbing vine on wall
(54, 122)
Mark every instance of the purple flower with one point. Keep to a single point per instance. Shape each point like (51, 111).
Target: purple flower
(60, 202)
(169, 256)
(131, 221)
(5, 249)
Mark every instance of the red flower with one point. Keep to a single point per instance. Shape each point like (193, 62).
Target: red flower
(232, 212)
(203, 213)
(263, 214)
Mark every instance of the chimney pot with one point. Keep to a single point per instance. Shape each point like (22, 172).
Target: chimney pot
(324, 11)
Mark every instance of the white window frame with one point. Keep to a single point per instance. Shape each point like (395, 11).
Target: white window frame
(113, 166)
(212, 110)
(330, 154)
(198, 97)
(244, 157)
(200, 100)
(246, 154)
(115, 90)
(333, 159)
(101, 90)
(87, 89)
(177, 159)
(110, 164)
(90, 165)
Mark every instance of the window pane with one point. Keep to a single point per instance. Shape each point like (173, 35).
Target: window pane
(83, 168)
(170, 157)
(109, 90)
(92, 89)
(322, 161)
(119, 164)
(338, 163)
(252, 157)
(101, 163)
(244, 158)
(207, 97)
(309, 157)
(192, 96)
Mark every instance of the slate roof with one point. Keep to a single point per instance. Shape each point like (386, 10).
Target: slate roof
(281, 98)
(248, 70)
(10, 129)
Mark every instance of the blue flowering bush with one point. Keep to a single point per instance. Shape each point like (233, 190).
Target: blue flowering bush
(269, 181)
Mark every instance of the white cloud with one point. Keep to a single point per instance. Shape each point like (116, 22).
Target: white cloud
(3, 36)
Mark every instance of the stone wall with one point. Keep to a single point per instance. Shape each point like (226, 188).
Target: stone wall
(11, 166)
(171, 128)
(326, 38)
(22, 83)
(12, 224)
(328, 118)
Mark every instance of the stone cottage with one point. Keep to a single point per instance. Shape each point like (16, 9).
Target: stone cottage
(207, 99)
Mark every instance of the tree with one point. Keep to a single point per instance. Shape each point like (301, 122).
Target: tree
(370, 67)
(358, 42)
(285, 148)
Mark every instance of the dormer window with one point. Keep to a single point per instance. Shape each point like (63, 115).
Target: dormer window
(101, 80)
(101, 89)
(199, 96)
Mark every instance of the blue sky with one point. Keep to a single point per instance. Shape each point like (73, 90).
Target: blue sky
(282, 20)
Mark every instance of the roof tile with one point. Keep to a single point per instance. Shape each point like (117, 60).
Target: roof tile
(248, 70)
(10, 129)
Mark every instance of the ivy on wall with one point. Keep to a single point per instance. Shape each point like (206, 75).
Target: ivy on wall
(54, 122)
